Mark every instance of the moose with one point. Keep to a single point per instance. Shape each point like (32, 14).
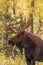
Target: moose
(32, 44)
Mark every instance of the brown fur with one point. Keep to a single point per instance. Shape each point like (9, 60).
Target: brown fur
(32, 44)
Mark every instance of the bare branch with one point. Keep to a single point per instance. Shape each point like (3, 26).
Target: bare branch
(39, 27)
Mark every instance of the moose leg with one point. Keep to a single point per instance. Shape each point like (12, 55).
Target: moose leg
(32, 62)
(28, 61)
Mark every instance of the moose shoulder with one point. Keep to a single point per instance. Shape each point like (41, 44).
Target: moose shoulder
(32, 44)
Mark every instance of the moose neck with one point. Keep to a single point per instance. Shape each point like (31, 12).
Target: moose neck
(26, 39)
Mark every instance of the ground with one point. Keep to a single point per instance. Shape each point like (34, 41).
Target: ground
(17, 61)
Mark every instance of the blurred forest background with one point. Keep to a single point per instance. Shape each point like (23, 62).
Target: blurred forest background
(12, 13)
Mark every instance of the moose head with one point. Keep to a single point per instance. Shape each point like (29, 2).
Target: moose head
(22, 40)
(19, 38)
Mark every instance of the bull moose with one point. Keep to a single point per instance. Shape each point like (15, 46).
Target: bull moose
(32, 44)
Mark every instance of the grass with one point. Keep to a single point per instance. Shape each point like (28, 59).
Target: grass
(16, 61)
(10, 61)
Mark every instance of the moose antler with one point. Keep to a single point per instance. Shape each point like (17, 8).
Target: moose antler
(24, 25)
(8, 27)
